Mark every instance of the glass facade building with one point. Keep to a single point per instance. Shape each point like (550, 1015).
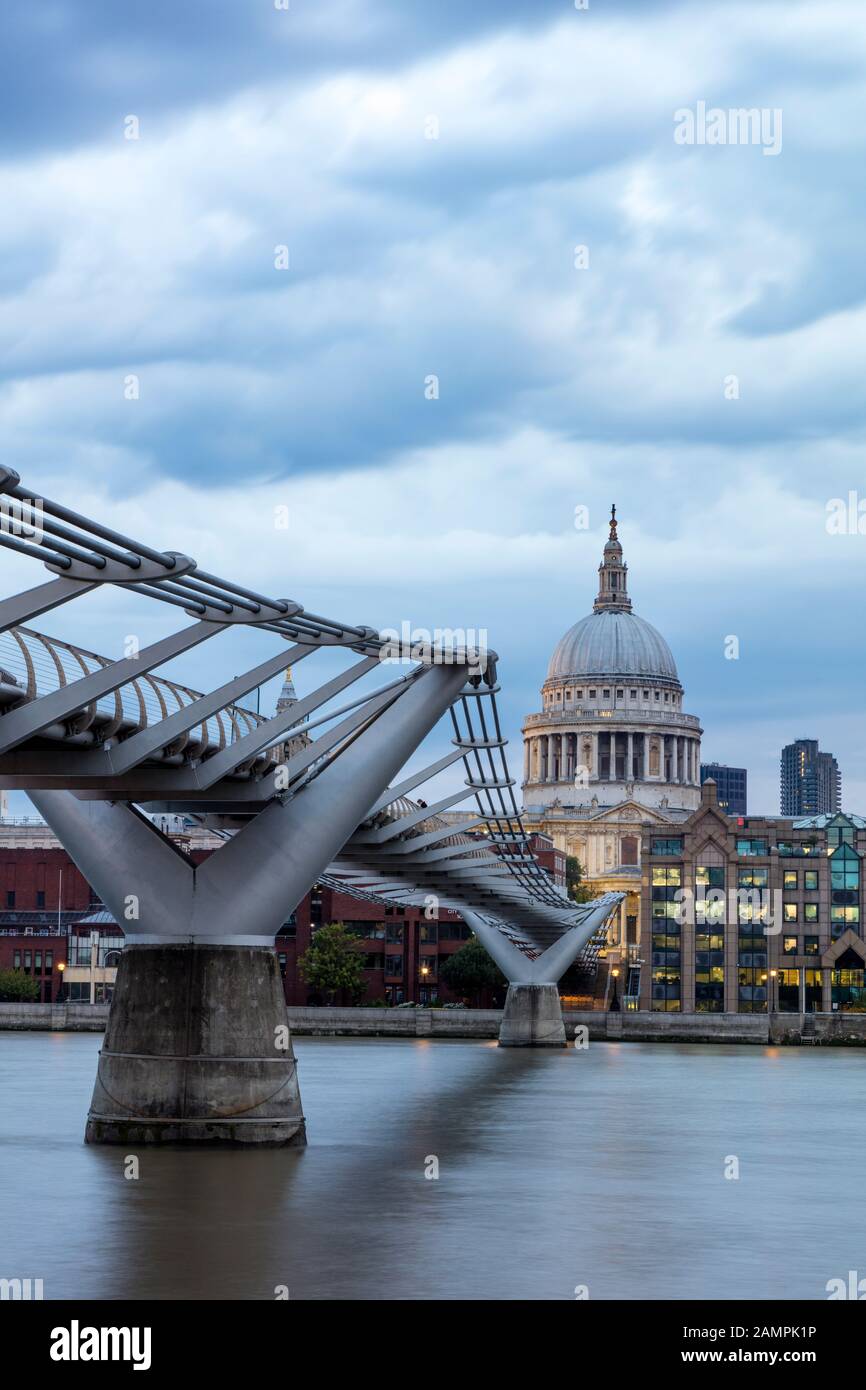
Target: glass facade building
(731, 786)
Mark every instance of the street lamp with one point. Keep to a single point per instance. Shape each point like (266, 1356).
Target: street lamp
(61, 966)
(614, 1003)
(773, 974)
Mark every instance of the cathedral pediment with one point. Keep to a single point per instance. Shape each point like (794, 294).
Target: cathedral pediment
(630, 812)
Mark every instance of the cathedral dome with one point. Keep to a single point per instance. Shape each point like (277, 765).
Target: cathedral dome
(611, 642)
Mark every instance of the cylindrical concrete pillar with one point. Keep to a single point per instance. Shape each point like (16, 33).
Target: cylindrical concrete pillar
(197, 1050)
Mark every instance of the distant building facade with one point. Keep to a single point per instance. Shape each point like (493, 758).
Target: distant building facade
(731, 786)
(811, 783)
(746, 914)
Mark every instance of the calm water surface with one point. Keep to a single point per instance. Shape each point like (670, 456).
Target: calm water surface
(603, 1167)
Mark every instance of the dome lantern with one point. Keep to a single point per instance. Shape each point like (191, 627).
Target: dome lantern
(612, 574)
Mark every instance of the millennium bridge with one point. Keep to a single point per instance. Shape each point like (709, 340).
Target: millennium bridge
(197, 1047)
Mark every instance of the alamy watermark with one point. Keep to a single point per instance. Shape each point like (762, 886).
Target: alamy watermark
(740, 125)
(23, 517)
(443, 646)
(708, 907)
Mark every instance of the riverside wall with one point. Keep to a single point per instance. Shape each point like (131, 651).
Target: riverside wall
(837, 1029)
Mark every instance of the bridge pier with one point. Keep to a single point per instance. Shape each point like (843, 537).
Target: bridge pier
(197, 1050)
(532, 1017)
(533, 1012)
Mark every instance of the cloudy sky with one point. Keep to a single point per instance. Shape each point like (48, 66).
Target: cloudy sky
(430, 170)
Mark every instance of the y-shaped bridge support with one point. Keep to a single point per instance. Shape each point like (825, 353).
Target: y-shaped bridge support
(197, 1047)
(533, 1013)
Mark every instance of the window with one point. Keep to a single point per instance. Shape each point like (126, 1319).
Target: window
(667, 846)
(709, 972)
(628, 849)
(788, 991)
(789, 878)
(789, 945)
(592, 694)
(620, 694)
(789, 912)
(666, 947)
(394, 966)
(658, 695)
(752, 878)
(847, 990)
(429, 932)
(10, 897)
(746, 848)
(394, 933)
(810, 945)
(367, 931)
(579, 694)
(40, 897)
(633, 694)
(375, 960)
(646, 694)
(711, 875)
(842, 833)
(810, 880)
(16, 961)
(605, 694)
(810, 912)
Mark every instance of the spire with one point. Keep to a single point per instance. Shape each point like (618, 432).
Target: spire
(288, 694)
(612, 575)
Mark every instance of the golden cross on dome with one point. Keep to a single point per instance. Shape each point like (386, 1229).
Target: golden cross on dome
(613, 521)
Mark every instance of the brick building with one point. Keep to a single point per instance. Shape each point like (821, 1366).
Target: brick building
(745, 913)
(52, 919)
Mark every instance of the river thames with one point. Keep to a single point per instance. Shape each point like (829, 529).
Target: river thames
(602, 1169)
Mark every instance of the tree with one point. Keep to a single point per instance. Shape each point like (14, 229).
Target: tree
(573, 875)
(470, 970)
(333, 962)
(17, 988)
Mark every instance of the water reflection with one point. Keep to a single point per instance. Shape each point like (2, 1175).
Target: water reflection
(603, 1167)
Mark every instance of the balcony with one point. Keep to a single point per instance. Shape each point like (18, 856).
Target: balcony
(685, 723)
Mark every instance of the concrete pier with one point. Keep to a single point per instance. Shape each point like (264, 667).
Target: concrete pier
(197, 1050)
(532, 1017)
